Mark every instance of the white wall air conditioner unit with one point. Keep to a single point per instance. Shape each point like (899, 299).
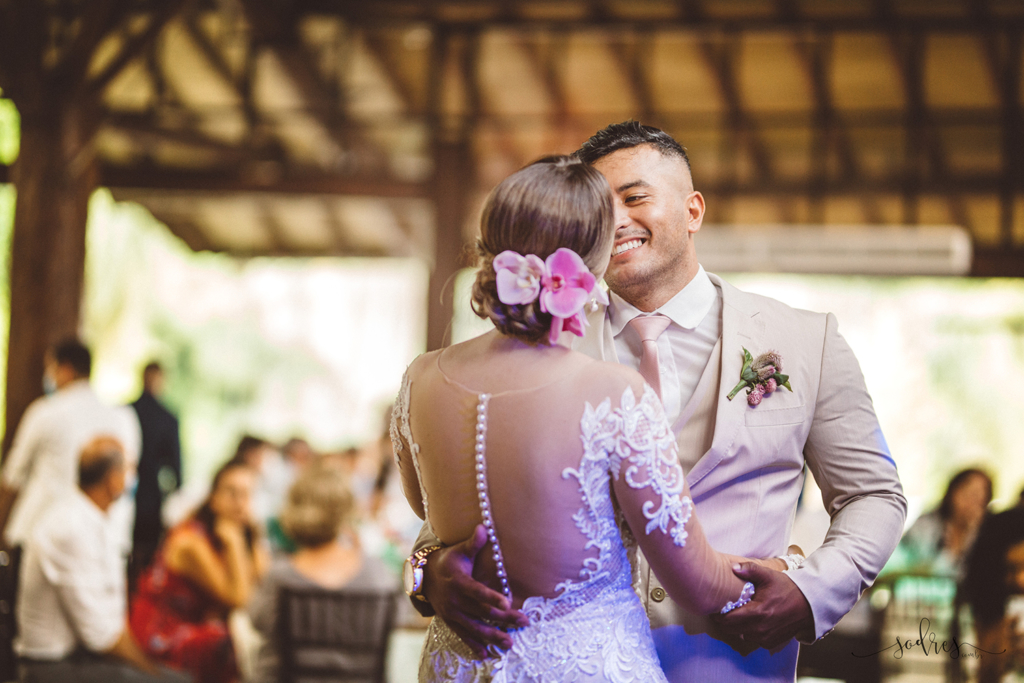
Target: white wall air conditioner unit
(835, 249)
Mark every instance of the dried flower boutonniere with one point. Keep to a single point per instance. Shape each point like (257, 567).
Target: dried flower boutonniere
(760, 376)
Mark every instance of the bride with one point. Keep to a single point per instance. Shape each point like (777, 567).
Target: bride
(568, 463)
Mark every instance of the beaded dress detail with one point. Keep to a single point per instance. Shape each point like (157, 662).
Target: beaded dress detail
(595, 628)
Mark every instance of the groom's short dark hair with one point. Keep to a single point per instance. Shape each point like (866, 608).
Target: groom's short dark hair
(626, 135)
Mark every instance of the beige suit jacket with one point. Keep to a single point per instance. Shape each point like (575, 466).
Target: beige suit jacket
(746, 486)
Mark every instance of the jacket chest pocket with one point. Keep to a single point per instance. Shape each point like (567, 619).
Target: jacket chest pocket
(774, 417)
(775, 437)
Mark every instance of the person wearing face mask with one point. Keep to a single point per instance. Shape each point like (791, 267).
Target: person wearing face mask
(41, 466)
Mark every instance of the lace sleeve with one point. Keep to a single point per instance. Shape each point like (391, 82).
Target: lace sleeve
(400, 421)
(653, 494)
(406, 450)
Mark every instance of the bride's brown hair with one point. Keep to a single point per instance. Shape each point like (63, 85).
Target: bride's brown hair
(557, 201)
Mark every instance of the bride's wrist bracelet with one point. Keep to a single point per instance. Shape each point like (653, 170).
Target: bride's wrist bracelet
(793, 561)
(745, 595)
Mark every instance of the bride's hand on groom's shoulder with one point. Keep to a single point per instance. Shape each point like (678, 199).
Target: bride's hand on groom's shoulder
(473, 611)
(776, 614)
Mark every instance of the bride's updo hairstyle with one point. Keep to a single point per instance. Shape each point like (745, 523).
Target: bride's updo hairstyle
(557, 201)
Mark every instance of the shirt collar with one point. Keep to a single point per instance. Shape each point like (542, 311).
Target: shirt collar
(686, 309)
(88, 509)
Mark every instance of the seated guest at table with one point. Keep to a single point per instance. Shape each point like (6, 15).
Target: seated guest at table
(72, 600)
(993, 587)
(316, 517)
(206, 567)
(939, 541)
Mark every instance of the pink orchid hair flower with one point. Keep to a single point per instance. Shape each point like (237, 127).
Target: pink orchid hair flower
(566, 285)
(563, 284)
(518, 277)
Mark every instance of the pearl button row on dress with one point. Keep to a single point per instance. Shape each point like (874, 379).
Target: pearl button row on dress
(481, 489)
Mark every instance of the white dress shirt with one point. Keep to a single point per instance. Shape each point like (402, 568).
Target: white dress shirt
(43, 460)
(72, 586)
(683, 348)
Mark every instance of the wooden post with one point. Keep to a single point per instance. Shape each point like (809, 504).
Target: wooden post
(453, 177)
(45, 53)
(55, 174)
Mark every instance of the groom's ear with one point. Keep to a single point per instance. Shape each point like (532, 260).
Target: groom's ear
(694, 212)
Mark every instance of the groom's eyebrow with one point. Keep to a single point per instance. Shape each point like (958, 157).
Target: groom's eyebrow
(631, 184)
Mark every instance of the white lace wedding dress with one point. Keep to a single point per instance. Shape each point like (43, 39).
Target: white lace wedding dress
(595, 627)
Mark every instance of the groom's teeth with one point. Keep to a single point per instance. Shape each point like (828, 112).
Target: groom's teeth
(626, 246)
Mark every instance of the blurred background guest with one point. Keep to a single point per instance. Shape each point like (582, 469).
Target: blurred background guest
(317, 517)
(391, 527)
(207, 566)
(272, 477)
(296, 456)
(939, 542)
(159, 466)
(40, 468)
(993, 587)
(72, 603)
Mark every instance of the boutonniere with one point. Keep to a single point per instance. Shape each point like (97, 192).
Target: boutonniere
(760, 376)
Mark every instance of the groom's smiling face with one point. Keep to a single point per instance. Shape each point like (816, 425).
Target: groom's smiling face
(656, 214)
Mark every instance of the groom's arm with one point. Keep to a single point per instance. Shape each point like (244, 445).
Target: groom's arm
(850, 461)
(476, 613)
(849, 458)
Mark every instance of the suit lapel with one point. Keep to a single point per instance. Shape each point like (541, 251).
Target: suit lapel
(742, 326)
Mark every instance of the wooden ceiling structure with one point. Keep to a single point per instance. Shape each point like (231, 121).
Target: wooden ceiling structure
(356, 128)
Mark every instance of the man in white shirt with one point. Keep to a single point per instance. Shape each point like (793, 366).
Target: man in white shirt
(41, 465)
(72, 599)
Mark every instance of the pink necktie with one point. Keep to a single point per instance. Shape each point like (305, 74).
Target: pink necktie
(650, 327)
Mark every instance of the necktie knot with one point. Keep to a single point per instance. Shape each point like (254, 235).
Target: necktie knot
(650, 327)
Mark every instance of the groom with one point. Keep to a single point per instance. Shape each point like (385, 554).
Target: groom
(744, 461)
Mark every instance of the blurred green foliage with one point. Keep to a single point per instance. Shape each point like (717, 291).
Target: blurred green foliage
(10, 137)
(10, 132)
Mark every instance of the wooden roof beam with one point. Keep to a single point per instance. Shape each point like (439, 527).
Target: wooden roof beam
(230, 180)
(133, 46)
(719, 58)
(378, 49)
(1003, 58)
(629, 51)
(544, 62)
(604, 15)
(143, 126)
(275, 26)
(210, 52)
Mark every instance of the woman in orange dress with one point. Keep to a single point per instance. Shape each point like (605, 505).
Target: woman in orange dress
(206, 567)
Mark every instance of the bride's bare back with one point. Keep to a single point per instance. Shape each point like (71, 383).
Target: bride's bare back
(533, 445)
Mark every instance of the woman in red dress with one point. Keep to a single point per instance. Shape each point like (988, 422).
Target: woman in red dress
(206, 567)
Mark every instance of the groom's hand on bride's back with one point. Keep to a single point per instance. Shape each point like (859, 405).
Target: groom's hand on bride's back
(776, 614)
(463, 602)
